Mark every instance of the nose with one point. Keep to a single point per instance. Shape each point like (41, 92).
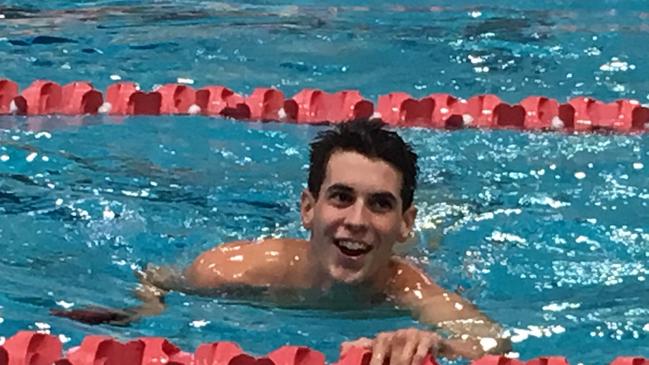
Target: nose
(357, 217)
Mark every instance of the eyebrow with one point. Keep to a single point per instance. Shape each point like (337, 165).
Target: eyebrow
(348, 189)
(385, 195)
(340, 187)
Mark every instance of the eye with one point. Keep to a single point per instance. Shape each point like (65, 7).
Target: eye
(380, 204)
(341, 197)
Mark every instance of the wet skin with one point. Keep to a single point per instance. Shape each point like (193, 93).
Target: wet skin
(355, 221)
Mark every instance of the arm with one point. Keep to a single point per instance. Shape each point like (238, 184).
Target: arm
(234, 263)
(154, 283)
(151, 295)
(472, 333)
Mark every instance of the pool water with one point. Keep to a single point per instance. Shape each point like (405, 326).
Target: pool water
(547, 233)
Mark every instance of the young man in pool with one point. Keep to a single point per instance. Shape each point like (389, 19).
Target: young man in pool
(357, 206)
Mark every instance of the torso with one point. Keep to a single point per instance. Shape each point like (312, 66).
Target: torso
(279, 269)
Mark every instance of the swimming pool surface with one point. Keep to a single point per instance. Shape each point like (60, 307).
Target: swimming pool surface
(547, 233)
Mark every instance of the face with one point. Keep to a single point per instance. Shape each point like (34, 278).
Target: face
(357, 217)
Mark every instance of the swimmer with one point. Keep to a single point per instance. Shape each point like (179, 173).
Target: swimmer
(358, 204)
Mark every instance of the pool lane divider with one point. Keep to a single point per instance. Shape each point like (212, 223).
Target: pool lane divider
(33, 348)
(313, 106)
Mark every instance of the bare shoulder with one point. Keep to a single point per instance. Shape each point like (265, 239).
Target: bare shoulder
(254, 263)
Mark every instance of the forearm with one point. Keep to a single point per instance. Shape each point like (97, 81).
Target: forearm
(471, 337)
(150, 306)
(473, 348)
(471, 334)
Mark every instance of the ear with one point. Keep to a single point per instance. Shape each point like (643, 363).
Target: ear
(407, 223)
(307, 206)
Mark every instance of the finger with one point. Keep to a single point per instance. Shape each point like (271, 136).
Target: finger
(396, 346)
(362, 342)
(380, 349)
(425, 346)
(139, 274)
(344, 347)
(144, 274)
(434, 344)
(406, 350)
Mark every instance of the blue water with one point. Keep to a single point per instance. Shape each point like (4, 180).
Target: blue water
(547, 233)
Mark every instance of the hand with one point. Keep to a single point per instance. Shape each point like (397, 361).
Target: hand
(161, 277)
(97, 315)
(402, 347)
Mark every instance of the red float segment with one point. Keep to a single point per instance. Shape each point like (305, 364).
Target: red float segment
(177, 99)
(296, 355)
(140, 103)
(124, 98)
(582, 119)
(240, 112)
(307, 106)
(627, 360)
(509, 116)
(640, 118)
(622, 121)
(41, 97)
(158, 350)
(4, 356)
(548, 360)
(417, 112)
(317, 106)
(447, 112)
(219, 100)
(355, 356)
(217, 353)
(389, 107)
(349, 105)
(245, 359)
(80, 98)
(541, 113)
(591, 114)
(117, 97)
(104, 350)
(31, 348)
(265, 104)
(479, 111)
(8, 91)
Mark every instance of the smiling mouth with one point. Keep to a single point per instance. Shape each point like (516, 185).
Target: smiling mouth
(352, 248)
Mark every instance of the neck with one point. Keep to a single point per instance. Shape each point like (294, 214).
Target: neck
(318, 277)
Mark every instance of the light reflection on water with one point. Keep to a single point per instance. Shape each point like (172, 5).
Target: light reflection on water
(513, 49)
(548, 233)
(503, 218)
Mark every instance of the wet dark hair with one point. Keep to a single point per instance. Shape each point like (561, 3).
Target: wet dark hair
(370, 138)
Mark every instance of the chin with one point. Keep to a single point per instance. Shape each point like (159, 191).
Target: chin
(346, 276)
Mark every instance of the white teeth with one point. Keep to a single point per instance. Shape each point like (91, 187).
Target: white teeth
(352, 245)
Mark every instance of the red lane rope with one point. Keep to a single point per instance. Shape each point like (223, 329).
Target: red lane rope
(32, 348)
(439, 110)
